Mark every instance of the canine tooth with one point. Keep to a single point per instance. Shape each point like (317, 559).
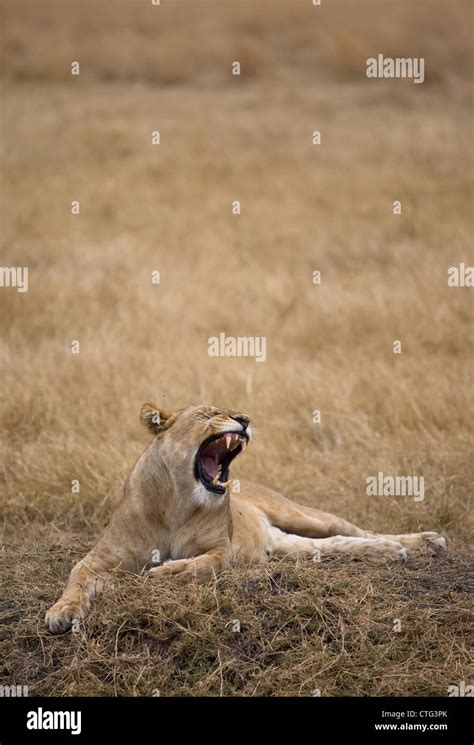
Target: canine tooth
(228, 440)
(225, 484)
(244, 444)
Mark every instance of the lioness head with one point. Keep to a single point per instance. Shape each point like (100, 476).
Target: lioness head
(199, 441)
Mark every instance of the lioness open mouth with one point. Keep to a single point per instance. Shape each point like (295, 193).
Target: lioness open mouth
(214, 458)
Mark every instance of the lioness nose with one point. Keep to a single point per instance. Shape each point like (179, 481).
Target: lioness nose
(243, 420)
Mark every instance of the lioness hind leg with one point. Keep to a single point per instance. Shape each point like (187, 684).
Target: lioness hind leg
(429, 541)
(305, 521)
(296, 546)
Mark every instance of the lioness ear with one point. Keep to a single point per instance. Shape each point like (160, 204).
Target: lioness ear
(153, 418)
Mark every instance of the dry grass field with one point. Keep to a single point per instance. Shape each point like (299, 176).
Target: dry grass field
(304, 208)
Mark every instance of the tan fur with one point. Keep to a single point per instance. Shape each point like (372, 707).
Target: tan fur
(197, 533)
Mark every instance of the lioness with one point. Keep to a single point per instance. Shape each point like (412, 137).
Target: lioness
(177, 512)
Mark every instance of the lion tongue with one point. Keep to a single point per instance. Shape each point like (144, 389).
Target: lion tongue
(211, 465)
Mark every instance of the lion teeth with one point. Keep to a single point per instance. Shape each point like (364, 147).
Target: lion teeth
(228, 441)
(216, 482)
(244, 445)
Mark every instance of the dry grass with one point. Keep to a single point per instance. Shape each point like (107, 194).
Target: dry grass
(300, 630)
(167, 208)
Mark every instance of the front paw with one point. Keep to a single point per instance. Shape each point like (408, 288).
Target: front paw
(62, 615)
(175, 569)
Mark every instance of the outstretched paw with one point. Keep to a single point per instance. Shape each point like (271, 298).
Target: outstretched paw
(435, 543)
(62, 615)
